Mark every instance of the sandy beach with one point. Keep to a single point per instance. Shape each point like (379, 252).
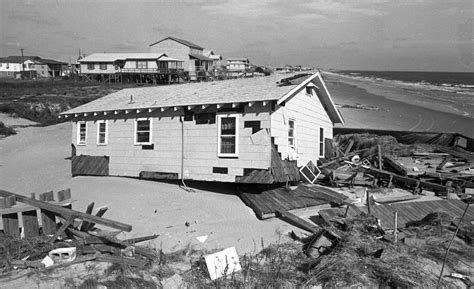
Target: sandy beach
(35, 160)
(391, 106)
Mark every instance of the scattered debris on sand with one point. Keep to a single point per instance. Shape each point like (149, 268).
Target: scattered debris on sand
(382, 214)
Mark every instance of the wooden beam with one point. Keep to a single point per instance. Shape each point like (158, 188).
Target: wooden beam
(85, 113)
(76, 115)
(234, 105)
(138, 111)
(406, 180)
(297, 221)
(176, 108)
(401, 170)
(95, 113)
(116, 112)
(151, 110)
(126, 111)
(204, 106)
(68, 212)
(251, 103)
(190, 107)
(264, 103)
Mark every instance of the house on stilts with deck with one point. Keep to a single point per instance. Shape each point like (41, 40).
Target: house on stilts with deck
(254, 130)
(131, 68)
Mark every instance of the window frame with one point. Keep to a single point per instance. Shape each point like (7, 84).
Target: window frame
(90, 66)
(294, 133)
(141, 66)
(106, 132)
(219, 135)
(78, 136)
(135, 138)
(321, 142)
(102, 66)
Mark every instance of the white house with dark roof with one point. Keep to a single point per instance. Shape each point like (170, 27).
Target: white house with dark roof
(241, 130)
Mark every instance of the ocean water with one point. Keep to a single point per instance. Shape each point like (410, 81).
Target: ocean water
(458, 82)
(436, 78)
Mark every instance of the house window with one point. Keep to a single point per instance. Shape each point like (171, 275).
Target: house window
(143, 131)
(103, 66)
(90, 66)
(142, 64)
(102, 132)
(321, 142)
(291, 134)
(228, 135)
(81, 132)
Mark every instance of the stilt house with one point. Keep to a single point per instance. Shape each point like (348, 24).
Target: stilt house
(257, 130)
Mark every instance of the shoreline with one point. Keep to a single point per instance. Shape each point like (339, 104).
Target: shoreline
(426, 96)
(389, 109)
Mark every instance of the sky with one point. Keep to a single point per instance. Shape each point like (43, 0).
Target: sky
(404, 35)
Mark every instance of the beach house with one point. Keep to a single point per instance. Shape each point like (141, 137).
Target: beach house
(196, 65)
(11, 66)
(254, 130)
(33, 66)
(130, 67)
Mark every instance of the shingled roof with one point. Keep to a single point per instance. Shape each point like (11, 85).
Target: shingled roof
(207, 93)
(182, 41)
(111, 57)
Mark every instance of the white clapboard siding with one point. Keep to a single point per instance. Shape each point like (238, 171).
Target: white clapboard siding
(309, 116)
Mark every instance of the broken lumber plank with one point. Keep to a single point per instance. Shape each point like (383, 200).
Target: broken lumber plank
(349, 147)
(330, 195)
(386, 200)
(30, 223)
(86, 224)
(406, 180)
(400, 169)
(26, 264)
(68, 212)
(63, 227)
(140, 239)
(100, 213)
(10, 225)
(121, 260)
(297, 221)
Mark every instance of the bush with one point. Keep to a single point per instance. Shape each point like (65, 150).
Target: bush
(6, 130)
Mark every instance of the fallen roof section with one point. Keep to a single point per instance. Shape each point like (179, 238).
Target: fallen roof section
(411, 211)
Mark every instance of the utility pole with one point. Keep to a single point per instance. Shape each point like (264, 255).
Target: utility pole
(22, 64)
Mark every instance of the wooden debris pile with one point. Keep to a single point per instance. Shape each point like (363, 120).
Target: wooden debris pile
(32, 228)
(376, 161)
(357, 251)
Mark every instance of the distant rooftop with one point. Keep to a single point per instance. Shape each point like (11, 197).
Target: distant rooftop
(111, 57)
(182, 41)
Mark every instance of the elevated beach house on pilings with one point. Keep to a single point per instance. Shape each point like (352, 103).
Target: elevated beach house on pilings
(196, 65)
(131, 67)
(241, 130)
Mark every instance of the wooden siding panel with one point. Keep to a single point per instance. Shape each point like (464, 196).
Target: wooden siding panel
(174, 50)
(309, 116)
(200, 142)
(90, 165)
